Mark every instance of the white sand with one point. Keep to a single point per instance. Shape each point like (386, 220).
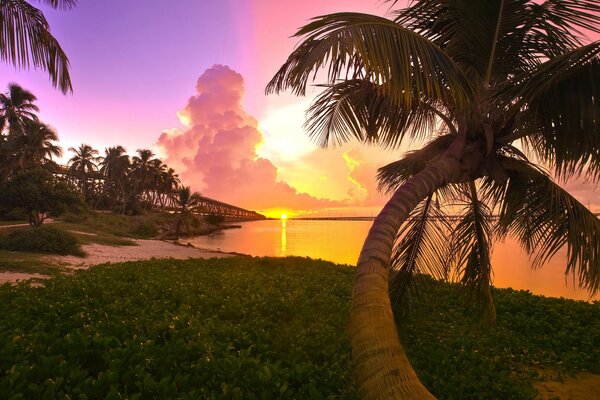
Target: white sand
(100, 254)
(14, 277)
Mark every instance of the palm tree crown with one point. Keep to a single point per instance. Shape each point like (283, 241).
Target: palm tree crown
(492, 86)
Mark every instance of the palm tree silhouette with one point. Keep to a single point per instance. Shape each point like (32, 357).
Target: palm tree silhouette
(83, 165)
(185, 201)
(492, 85)
(16, 109)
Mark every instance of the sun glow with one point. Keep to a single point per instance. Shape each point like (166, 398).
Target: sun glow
(283, 216)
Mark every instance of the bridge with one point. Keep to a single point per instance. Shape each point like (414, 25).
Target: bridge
(206, 205)
(452, 218)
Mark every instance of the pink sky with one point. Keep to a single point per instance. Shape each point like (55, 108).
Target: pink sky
(145, 67)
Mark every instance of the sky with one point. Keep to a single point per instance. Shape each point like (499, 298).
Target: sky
(186, 78)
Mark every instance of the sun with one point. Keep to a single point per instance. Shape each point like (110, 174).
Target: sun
(283, 216)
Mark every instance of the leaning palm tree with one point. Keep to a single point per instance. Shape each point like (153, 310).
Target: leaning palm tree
(25, 40)
(494, 87)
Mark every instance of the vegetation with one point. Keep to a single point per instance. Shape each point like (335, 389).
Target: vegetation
(43, 239)
(491, 85)
(39, 194)
(186, 201)
(26, 40)
(252, 328)
(36, 187)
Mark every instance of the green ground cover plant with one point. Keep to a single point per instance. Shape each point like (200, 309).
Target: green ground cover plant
(264, 328)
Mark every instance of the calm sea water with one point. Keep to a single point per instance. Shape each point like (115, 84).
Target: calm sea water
(341, 241)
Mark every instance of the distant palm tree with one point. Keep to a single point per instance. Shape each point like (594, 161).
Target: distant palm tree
(83, 164)
(25, 40)
(16, 109)
(168, 184)
(114, 167)
(141, 174)
(185, 201)
(488, 83)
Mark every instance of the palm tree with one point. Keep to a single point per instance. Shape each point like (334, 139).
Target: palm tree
(35, 147)
(25, 39)
(83, 164)
(142, 167)
(114, 167)
(492, 85)
(16, 109)
(169, 183)
(185, 201)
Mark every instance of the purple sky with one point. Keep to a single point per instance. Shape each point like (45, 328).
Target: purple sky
(135, 65)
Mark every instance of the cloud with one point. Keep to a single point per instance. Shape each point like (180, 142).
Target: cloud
(216, 152)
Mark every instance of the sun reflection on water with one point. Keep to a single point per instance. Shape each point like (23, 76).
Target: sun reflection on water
(283, 236)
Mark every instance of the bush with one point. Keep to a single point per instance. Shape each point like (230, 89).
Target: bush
(13, 214)
(39, 194)
(146, 229)
(44, 239)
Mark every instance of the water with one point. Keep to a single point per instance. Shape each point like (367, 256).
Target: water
(341, 241)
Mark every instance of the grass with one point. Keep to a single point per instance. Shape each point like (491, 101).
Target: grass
(88, 235)
(263, 328)
(31, 263)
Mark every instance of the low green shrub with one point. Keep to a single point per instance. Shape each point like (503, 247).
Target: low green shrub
(145, 229)
(42, 239)
(265, 328)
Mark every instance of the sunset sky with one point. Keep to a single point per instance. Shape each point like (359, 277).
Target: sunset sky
(187, 78)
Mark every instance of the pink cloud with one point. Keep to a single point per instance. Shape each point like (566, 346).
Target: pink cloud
(216, 154)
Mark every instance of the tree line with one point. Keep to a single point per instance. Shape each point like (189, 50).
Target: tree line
(112, 181)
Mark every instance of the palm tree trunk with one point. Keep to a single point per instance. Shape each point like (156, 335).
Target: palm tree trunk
(382, 368)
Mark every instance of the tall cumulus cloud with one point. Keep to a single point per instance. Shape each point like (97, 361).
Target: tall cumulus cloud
(216, 153)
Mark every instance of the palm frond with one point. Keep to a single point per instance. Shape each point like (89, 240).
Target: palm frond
(471, 244)
(421, 248)
(393, 175)
(60, 4)
(545, 218)
(514, 34)
(25, 39)
(359, 108)
(560, 113)
(354, 45)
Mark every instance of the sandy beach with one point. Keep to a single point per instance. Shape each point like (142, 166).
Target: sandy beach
(101, 254)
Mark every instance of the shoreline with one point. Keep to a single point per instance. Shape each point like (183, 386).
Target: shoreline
(97, 254)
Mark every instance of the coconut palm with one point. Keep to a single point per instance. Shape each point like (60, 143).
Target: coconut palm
(25, 40)
(492, 86)
(17, 107)
(35, 148)
(83, 165)
(114, 167)
(185, 201)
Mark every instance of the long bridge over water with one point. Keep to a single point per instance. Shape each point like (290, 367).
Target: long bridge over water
(205, 206)
(364, 218)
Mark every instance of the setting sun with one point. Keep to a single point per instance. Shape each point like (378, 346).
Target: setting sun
(283, 216)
